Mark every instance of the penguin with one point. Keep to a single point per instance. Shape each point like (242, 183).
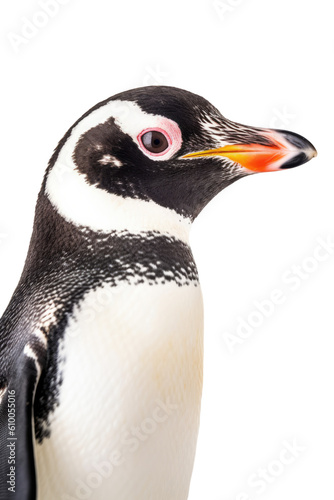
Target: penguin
(101, 345)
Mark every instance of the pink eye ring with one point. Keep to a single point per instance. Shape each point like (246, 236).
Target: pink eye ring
(155, 141)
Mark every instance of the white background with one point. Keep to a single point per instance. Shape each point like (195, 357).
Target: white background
(263, 63)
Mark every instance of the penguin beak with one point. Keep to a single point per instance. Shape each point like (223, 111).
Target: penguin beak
(276, 150)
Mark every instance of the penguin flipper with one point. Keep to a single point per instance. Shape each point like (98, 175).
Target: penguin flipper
(17, 464)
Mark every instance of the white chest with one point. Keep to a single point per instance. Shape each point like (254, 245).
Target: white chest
(126, 426)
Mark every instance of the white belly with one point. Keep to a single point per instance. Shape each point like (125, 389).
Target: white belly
(126, 426)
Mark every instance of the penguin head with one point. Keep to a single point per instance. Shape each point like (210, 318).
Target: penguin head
(161, 146)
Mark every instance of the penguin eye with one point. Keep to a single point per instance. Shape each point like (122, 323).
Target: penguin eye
(154, 141)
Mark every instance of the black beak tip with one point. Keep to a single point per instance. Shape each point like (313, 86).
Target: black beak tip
(306, 149)
(296, 161)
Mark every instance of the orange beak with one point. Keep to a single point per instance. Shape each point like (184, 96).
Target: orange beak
(284, 150)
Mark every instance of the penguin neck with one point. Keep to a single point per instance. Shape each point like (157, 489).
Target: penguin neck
(58, 243)
(85, 205)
